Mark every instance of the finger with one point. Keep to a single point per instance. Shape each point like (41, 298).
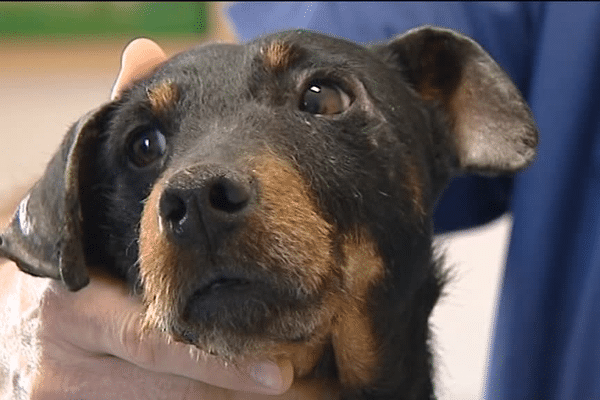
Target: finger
(139, 58)
(155, 352)
(110, 378)
(103, 319)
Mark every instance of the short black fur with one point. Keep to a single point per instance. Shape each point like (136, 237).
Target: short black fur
(376, 168)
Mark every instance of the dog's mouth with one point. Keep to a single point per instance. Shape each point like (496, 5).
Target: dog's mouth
(234, 301)
(216, 295)
(220, 284)
(228, 312)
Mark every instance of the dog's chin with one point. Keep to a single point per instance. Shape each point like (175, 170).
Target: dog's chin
(231, 345)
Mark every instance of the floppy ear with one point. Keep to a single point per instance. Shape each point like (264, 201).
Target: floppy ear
(492, 126)
(45, 237)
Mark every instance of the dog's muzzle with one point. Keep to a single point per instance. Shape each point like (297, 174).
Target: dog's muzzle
(200, 208)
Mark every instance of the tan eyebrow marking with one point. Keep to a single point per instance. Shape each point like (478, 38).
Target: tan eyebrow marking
(163, 96)
(279, 55)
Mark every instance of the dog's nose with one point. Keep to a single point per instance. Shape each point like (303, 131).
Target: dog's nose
(205, 208)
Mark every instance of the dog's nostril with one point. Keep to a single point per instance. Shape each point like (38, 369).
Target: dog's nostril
(202, 209)
(229, 196)
(173, 207)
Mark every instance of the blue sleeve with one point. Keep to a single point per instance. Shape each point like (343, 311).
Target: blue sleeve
(498, 27)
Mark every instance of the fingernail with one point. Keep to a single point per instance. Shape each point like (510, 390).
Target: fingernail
(266, 374)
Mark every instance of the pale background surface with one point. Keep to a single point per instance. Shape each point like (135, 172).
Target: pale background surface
(44, 88)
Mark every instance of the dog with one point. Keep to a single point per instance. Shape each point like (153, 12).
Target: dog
(275, 198)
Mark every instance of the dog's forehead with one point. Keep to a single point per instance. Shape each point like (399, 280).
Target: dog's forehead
(315, 42)
(218, 79)
(234, 65)
(213, 63)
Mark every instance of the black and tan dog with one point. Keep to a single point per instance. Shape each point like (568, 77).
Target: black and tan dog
(276, 197)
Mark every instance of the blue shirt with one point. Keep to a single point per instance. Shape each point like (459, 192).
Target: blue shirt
(547, 336)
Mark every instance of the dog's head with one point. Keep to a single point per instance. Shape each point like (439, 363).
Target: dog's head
(275, 197)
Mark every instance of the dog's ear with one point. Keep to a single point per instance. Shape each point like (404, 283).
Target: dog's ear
(492, 126)
(45, 237)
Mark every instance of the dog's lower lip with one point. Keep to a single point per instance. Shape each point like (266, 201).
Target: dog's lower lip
(220, 284)
(217, 296)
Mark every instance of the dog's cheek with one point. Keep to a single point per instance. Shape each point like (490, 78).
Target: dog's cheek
(286, 234)
(355, 342)
(345, 318)
(158, 267)
(288, 237)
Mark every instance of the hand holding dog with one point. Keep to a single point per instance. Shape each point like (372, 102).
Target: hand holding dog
(56, 345)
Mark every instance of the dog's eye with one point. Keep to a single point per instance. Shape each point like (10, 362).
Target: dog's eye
(147, 147)
(324, 98)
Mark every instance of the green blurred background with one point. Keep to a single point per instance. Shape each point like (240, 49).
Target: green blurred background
(105, 19)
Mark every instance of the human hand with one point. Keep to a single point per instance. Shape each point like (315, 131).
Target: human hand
(88, 344)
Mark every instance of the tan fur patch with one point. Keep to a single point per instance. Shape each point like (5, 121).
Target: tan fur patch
(350, 329)
(353, 336)
(158, 266)
(288, 236)
(278, 56)
(287, 232)
(163, 96)
(363, 263)
(304, 358)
